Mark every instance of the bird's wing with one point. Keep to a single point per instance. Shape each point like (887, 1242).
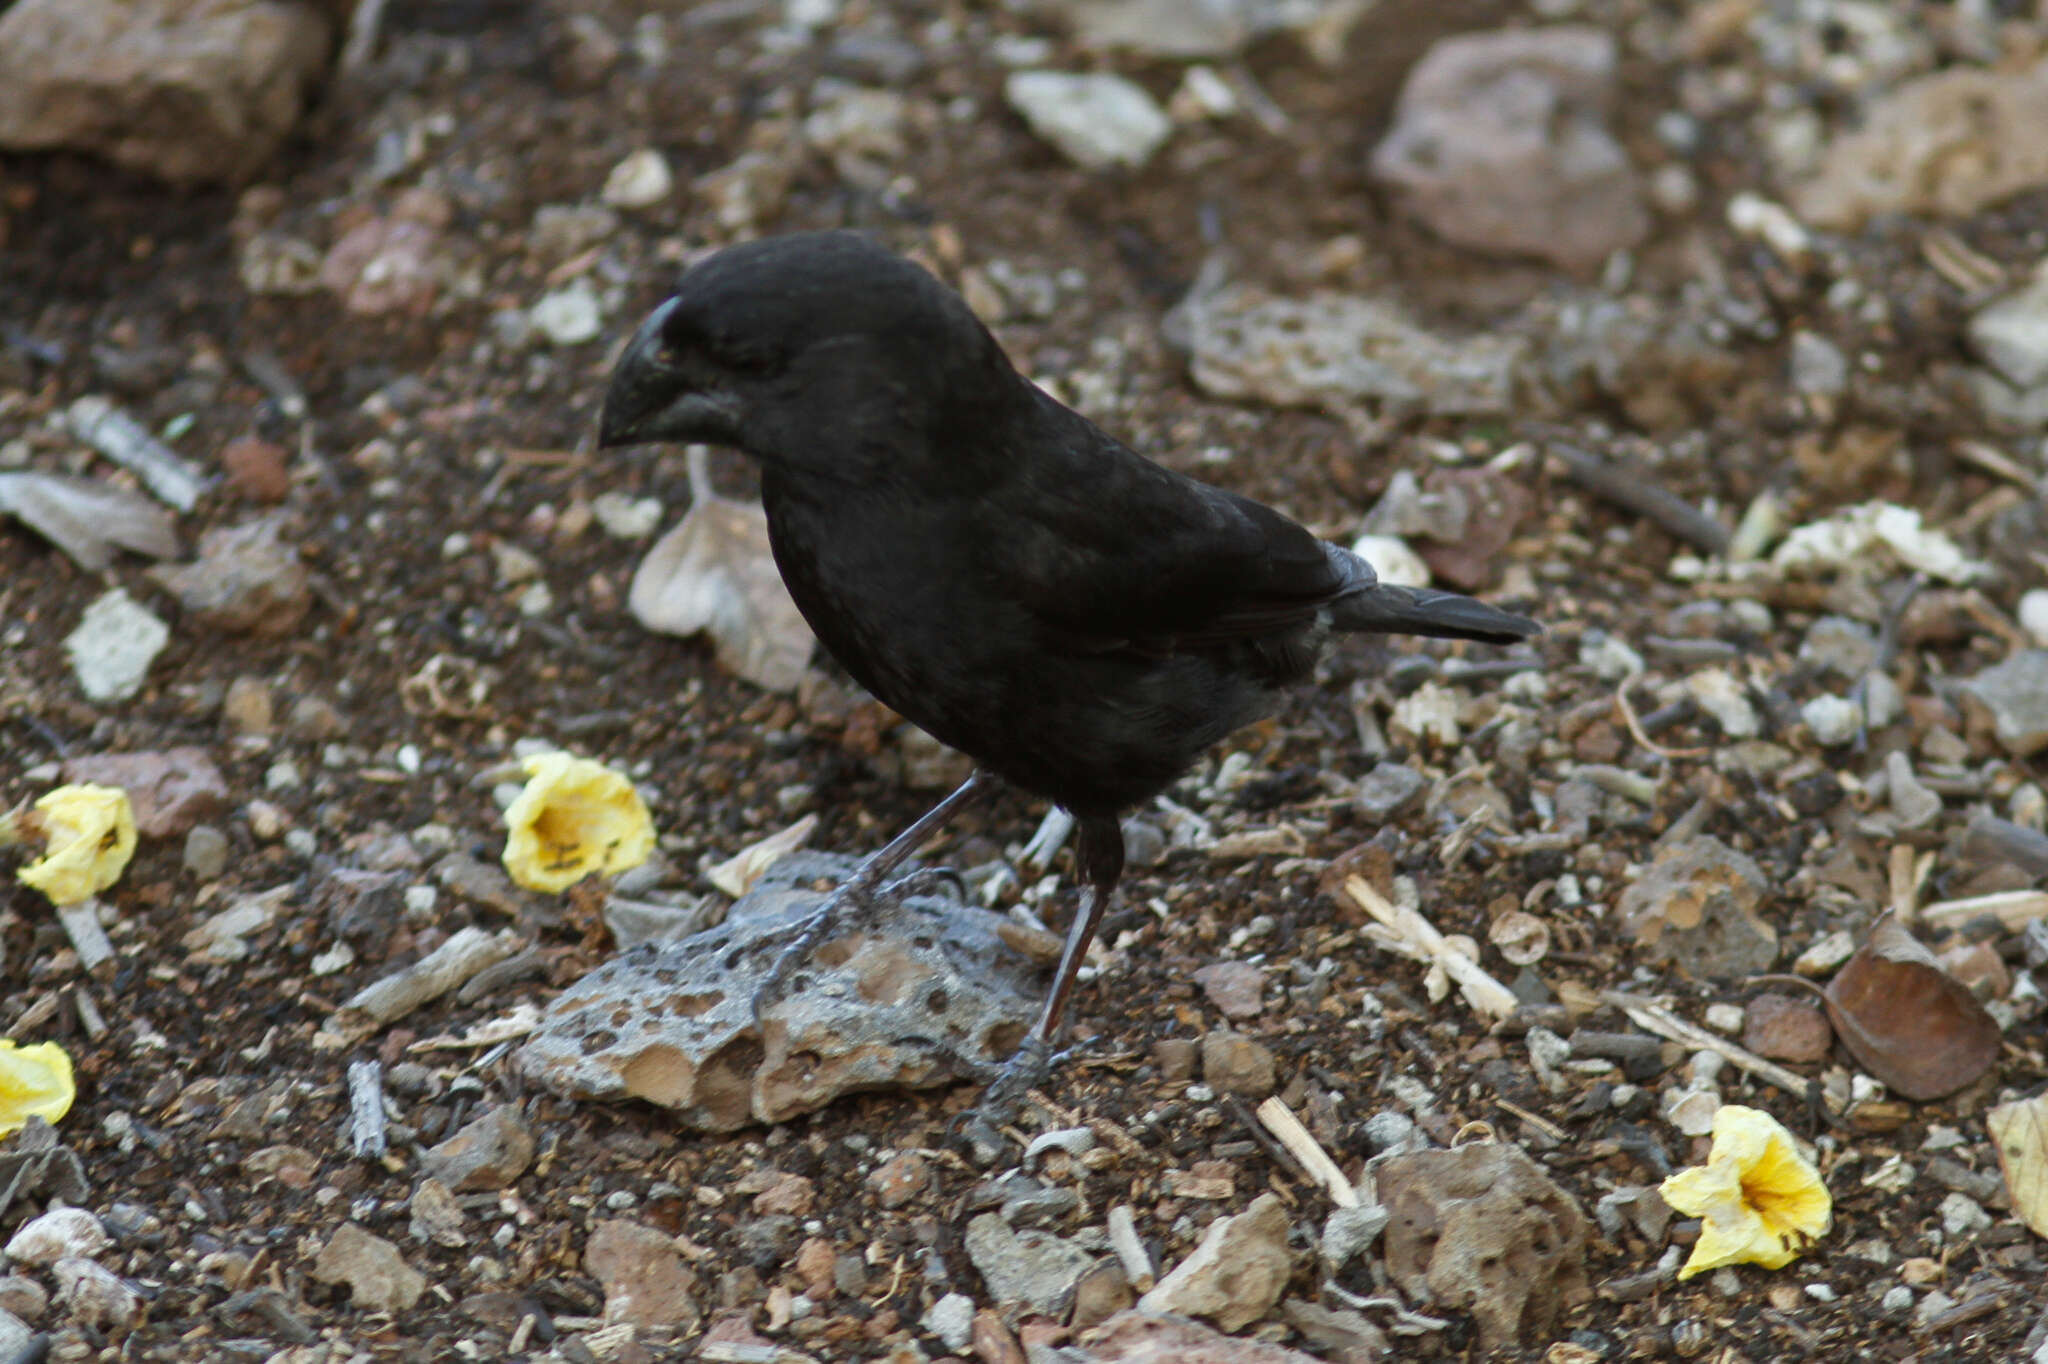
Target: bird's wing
(1118, 553)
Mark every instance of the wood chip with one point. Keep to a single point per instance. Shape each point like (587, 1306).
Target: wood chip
(1287, 1129)
(398, 994)
(366, 1132)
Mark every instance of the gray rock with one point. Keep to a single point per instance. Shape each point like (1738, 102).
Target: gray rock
(1962, 1215)
(1913, 804)
(2016, 694)
(951, 1319)
(1389, 789)
(1237, 1272)
(174, 89)
(1834, 720)
(1819, 368)
(95, 1296)
(924, 1000)
(645, 1279)
(246, 580)
(489, 1153)
(2011, 333)
(1843, 646)
(1035, 1268)
(1349, 1233)
(1500, 143)
(1696, 907)
(113, 646)
(378, 1278)
(206, 852)
(1235, 1064)
(1097, 119)
(1483, 1229)
(23, 1299)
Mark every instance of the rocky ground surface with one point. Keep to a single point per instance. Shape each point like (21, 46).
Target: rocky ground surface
(1712, 334)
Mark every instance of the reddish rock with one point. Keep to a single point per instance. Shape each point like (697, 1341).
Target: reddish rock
(1786, 1029)
(900, 1179)
(257, 469)
(171, 790)
(644, 1277)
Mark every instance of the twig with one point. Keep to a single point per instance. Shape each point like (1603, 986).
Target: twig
(1632, 489)
(1485, 994)
(1635, 726)
(1279, 1119)
(366, 1135)
(362, 35)
(1654, 1018)
(82, 923)
(1130, 1251)
(127, 442)
(396, 995)
(2015, 909)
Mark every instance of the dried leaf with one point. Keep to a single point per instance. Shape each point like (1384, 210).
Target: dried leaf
(738, 873)
(1909, 1022)
(88, 520)
(1520, 937)
(2020, 1131)
(715, 572)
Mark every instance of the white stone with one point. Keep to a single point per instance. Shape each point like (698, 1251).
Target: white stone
(113, 646)
(1097, 119)
(61, 1234)
(642, 180)
(1834, 720)
(1393, 560)
(2011, 333)
(570, 315)
(951, 1319)
(2033, 614)
(628, 518)
(1725, 1018)
(1720, 695)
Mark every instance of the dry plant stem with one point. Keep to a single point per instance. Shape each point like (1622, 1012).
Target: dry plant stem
(1654, 1018)
(433, 975)
(1632, 489)
(127, 442)
(1485, 994)
(1287, 1129)
(366, 1134)
(2014, 909)
(1130, 1251)
(82, 924)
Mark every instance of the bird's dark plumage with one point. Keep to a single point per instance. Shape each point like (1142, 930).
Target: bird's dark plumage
(1081, 621)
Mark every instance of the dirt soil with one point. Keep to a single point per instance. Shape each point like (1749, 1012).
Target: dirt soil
(427, 441)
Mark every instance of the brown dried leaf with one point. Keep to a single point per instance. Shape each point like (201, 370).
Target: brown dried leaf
(2020, 1131)
(1909, 1022)
(715, 572)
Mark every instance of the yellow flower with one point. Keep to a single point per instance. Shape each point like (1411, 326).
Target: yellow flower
(1760, 1201)
(35, 1082)
(575, 817)
(90, 835)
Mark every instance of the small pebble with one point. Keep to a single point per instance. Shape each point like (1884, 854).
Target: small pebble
(1834, 720)
(206, 852)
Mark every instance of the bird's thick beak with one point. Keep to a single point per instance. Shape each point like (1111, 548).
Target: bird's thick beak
(647, 400)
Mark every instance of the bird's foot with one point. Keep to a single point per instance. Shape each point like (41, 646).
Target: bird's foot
(979, 1130)
(850, 904)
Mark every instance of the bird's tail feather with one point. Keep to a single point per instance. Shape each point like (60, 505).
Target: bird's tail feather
(1385, 609)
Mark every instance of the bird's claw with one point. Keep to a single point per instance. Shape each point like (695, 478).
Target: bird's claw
(847, 901)
(979, 1129)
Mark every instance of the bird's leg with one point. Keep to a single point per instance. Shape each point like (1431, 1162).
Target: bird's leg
(856, 896)
(1099, 852)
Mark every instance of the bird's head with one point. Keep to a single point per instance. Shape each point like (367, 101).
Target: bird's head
(816, 352)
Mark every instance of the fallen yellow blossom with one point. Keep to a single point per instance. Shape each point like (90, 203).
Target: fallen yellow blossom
(575, 818)
(1759, 1200)
(35, 1082)
(89, 835)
